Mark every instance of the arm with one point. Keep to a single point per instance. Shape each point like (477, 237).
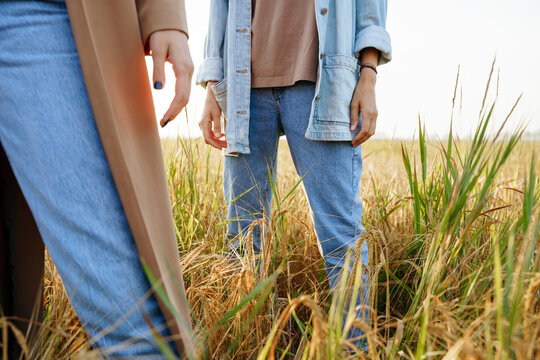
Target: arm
(210, 122)
(363, 100)
(372, 46)
(164, 34)
(371, 29)
(211, 71)
(155, 15)
(211, 68)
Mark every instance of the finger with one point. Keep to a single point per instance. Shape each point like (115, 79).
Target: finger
(183, 70)
(372, 124)
(355, 110)
(159, 56)
(367, 130)
(216, 143)
(359, 138)
(363, 134)
(209, 137)
(219, 143)
(180, 99)
(216, 120)
(218, 139)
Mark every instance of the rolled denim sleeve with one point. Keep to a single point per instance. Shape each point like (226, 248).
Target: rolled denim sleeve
(371, 28)
(211, 68)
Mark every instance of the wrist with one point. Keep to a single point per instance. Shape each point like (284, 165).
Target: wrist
(177, 35)
(368, 76)
(368, 71)
(368, 67)
(209, 84)
(209, 92)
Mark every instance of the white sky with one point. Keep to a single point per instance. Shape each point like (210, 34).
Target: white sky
(430, 38)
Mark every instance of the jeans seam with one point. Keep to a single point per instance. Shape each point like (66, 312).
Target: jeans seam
(276, 95)
(353, 178)
(273, 173)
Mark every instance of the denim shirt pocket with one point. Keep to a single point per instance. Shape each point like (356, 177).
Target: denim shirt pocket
(220, 92)
(339, 76)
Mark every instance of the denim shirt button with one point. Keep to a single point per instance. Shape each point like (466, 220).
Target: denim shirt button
(324, 11)
(323, 55)
(317, 98)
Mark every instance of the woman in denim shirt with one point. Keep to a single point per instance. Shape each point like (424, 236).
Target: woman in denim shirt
(305, 69)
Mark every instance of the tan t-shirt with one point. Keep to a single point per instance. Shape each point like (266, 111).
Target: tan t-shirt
(284, 42)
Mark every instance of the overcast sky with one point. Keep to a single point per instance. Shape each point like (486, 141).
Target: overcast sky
(430, 38)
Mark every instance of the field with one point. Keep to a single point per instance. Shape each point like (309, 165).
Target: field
(452, 227)
(454, 265)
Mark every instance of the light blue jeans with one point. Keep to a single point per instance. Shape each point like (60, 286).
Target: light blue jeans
(331, 171)
(49, 134)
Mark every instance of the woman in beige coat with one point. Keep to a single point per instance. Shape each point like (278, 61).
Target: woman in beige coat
(83, 169)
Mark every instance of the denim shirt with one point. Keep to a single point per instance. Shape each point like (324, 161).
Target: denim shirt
(345, 27)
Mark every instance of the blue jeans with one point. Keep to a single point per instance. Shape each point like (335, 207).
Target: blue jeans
(331, 171)
(49, 134)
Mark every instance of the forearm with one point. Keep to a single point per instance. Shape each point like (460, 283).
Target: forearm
(363, 100)
(369, 56)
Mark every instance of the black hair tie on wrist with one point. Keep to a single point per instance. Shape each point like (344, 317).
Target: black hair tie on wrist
(372, 67)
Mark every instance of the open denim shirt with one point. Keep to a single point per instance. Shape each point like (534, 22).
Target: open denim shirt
(345, 27)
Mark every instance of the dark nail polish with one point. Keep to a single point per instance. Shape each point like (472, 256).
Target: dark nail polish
(165, 123)
(158, 85)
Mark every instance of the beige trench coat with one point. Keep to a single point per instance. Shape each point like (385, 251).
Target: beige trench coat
(110, 35)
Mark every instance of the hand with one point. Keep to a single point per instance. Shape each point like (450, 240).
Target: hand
(210, 123)
(172, 46)
(363, 101)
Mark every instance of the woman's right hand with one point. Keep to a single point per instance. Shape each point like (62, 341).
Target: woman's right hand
(210, 123)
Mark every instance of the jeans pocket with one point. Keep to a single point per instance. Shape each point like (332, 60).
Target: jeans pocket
(339, 75)
(220, 92)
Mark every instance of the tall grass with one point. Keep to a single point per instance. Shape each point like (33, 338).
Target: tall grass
(453, 229)
(455, 259)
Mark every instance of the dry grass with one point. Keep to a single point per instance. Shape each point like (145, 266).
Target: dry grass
(453, 229)
(289, 310)
(462, 311)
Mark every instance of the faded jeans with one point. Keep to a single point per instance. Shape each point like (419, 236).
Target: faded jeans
(331, 178)
(49, 134)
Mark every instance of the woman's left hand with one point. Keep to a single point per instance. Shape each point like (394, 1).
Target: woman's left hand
(363, 101)
(172, 46)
